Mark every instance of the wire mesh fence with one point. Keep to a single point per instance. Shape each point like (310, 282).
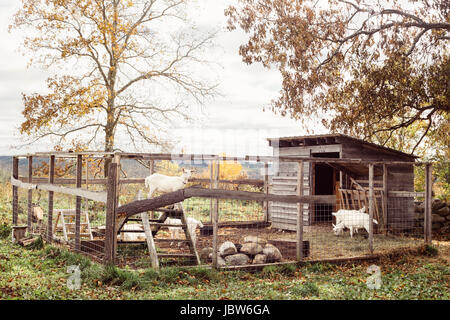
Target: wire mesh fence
(233, 226)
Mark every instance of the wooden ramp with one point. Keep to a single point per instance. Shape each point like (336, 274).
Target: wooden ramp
(153, 226)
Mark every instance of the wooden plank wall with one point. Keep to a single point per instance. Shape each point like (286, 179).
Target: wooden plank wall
(284, 182)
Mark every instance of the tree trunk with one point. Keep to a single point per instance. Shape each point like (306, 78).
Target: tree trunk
(109, 134)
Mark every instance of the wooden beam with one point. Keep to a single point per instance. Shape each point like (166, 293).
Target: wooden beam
(15, 191)
(256, 196)
(111, 213)
(51, 179)
(385, 198)
(59, 181)
(300, 182)
(215, 220)
(30, 194)
(78, 204)
(266, 191)
(428, 202)
(151, 166)
(371, 207)
(405, 194)
(211, 180)
(99, 196)
(149, 237)
(179, 195)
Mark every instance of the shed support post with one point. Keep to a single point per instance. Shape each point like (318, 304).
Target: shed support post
(371, 207)
(51, 180)
(78, 204)
(266, 191)
(428, 202)
(111, 206)
(30, 195)
(215, 222)
(385, 198)
(300, 212)
(15, 191)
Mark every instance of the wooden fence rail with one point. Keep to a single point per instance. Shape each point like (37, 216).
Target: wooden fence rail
(99, 196)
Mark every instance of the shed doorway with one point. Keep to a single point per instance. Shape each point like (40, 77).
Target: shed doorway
(325, 179)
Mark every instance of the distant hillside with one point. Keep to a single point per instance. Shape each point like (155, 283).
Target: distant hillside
(134, 168)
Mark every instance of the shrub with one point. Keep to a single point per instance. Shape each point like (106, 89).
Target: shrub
(5, 230)
(430, 250)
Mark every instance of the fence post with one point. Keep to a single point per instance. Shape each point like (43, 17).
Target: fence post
(51, 180)
(371, 208)
(211, 179)
(151, 165)
(15, 193)
(111, 205)
(215, 219)
(385, 197)
(78, 204)
(428, 202)
(30, 195)
(300, 212)
(266, 191)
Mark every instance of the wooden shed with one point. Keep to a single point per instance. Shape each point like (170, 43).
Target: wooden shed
(337, 178)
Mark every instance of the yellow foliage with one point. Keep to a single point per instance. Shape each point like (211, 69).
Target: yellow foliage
(168, 168)
(228, 170)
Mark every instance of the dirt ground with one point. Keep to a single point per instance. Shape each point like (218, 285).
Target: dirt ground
(323, 244)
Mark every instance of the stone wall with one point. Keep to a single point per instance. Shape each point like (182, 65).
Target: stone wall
(440, 217)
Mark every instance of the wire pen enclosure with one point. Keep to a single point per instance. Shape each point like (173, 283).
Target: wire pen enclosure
(234, 212)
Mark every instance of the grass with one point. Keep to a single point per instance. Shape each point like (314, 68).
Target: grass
(41, 273)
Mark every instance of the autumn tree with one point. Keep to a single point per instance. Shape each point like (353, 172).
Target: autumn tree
(121, 66)
(367, 68)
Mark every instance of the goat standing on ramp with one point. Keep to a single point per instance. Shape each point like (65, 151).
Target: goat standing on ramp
(162, 183)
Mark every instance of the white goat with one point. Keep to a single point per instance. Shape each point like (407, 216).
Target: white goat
(192, 225)
(162, 183)
(343, 212)
(352, 221)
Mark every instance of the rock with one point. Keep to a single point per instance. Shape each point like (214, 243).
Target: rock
(418, 215)
(220, 261)
(251, 248)
(437, 218)
(254, 239)
(437, 204)
(227, 248)
(445, 230)
(238, 247)
(237, 259)
(206, 254)
(260, 258)
(444, 211)
(272, 253)
(420, 208)
(436, 225)
(447, 218)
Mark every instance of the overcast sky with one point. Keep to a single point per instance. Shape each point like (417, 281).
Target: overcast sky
(234, 122)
